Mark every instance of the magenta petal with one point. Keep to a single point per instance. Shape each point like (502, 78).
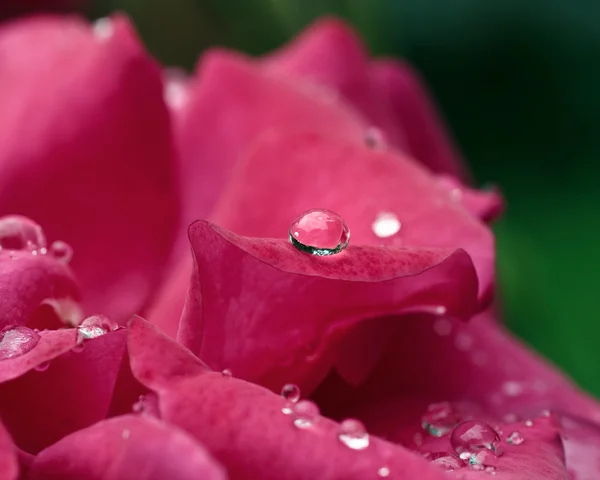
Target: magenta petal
(272, 314)
(92, 165)
(29, 281)
(231, 103)
(54, 390)
(242, 425)
(126, 447)
(9, 464)
(357, 183)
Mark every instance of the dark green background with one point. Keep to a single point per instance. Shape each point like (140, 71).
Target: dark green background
(517, 81)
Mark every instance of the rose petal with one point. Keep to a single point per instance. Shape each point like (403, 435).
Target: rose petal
(28, 281)
(272, 314)
(323, 172)
(70, 389)
(231, 103)
(582, 447)
(92, 165)
(242, 425)
(126, 447)
(9, 464)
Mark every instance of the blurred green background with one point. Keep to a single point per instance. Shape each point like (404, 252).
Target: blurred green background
(517, 81)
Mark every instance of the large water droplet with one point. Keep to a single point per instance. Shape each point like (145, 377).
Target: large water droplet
(319, 232)
(515, 438)
(386, 224)
(383, 472)
(446, 460)
(472, 436)
(95, 326)
(306, 413)
(61, 251)
(21, 233)
(353, 434)
(291, 394)
(16, 341)
(440, 419)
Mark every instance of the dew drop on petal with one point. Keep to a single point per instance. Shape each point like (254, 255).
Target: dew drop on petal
(291, 394)
(42, 367)
(61, 251)
(472, 436)
(353, 434)
(21, 233)
(512, 389)
(383, 472)
(227, 373)
(17, 341)
(386, 224)
(95, 326)
(374, 138)
(319, 232)
(528, 423)
(306, 413)
(515, 438)
(446, 460)
(440, 419)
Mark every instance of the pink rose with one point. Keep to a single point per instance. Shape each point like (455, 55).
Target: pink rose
(397, 332)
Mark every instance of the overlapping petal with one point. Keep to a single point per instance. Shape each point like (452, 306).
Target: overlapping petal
(9, 465)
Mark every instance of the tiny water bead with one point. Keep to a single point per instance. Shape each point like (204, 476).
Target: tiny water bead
(440, 419)
(353, 434)
(291, 394)
(226, 373)
(383, 472)
(386, 224)
(20, 233)
(95, 326)
(62, 251)
(319, 232)
(515, 438)
(472, 436)
(528, 423)
(446, 460)
(306, 414)
(17, 341)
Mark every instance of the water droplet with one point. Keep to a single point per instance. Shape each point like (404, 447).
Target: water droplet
(226, 373)
(482, 459)
(383, 472)
(512, 389)
(306, 413)
(95, 326)
(374, 138)
(21, 233)
(446, 460)
(528, 423)
(103, 28)
(16, 341)
(61, 251)
(291, 394)
(353, 434)
(471, 436)
(386, 224)
(319, 232)
(440, 419)
(515, 438)
(42, 367)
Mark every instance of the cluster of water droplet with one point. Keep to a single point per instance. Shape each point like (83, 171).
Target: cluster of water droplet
(18, 233)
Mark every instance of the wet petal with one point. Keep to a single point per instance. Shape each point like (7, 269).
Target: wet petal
(9, 464)
(110, 144)
(268, 311)
(126, 447)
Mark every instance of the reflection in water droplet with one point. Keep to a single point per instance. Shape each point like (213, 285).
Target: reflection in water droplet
(16, 341)
(103, 28)
(306, 413)
(291, 394)
(42, 367)
(383, 472)
(374, 138)
(448, 461)
(95, 326)
(440, 419)
(515, 438)
(386, 224)
(472, 436)
(319, 232)
(482, 459)
(61, 251)
(21, 233)
(353, 434)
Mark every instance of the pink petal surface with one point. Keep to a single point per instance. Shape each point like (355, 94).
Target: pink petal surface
(231, 103)
(242, 425)
(581, 440)
(126, 447)
(54, 390)
(321, 172)
(9, 464)
(272, 314)
(28, 281)
(389, 94)
(95, 169)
